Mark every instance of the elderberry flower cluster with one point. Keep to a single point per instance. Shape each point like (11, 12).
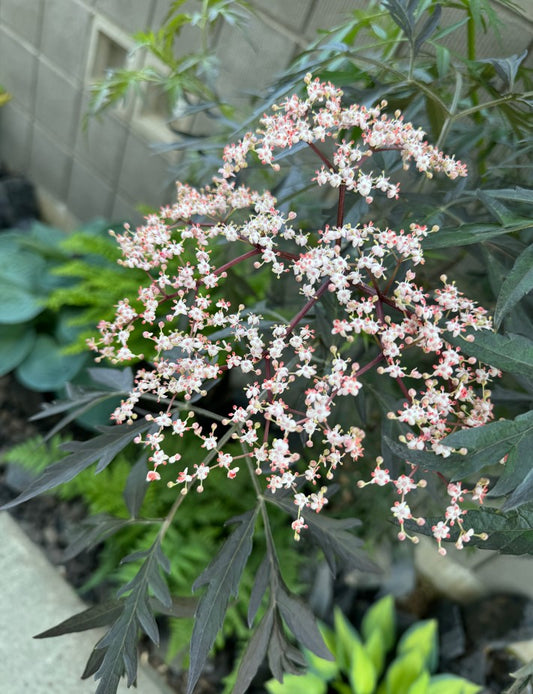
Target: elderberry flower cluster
(285, 419)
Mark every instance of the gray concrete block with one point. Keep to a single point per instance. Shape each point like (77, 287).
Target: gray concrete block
(330, 13)
(124, 211)
(49, 164)
(57, 105)
(129, 16)
(101, 145)
(88, 196)
(249, 64)
(65, 36)
(15, 137)
(18, 67)
(34, 598)
(23, 16)
(145, 176)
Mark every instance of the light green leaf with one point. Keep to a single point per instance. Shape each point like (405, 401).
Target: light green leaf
(361, 673)
(420, 686)
(518, 283)
(375, 649)
(325, 669)
(451, 684)
(403, 672)
(345, 638)
(381, 618)
(298, 684)
(422, 639)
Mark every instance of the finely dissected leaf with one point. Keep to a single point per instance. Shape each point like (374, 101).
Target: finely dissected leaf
(455, 466)
(428, 29)
(282, 656)
(510, 533)
(120, 642)
(118, 380)
(301, 621)
(136, 487)
(101, 449)
(490, 443)
(523, 493)
(471, 233)
(518, 283)
(516, 194)
(258, 589)
(516, 468)
(94, 661)
(509, 352)
(95, 530)
(254, 654)
(91, 618)
(222, 578)
(506, 68)
(333, 537)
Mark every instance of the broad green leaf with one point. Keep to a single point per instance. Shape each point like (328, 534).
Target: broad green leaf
(403, 672)
(422, 639)
(302, 623)
(451, 684)
(518, 283)
(18, 305)
(222, 578)
(510, 352)
(15, 344)
(298, 684)
(325, 669)
(20, 267)
(467, 234)
(523, 493)
(46, 368)
(345, 638)
(420, 685)
(381, 617)
(375, 648)
(361, 673)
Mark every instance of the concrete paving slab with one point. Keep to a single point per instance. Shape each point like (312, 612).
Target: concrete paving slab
(33, 598)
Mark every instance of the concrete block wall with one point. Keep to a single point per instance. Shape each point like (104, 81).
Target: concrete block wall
(50, 50)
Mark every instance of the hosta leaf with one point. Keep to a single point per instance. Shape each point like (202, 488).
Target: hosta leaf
(510, 352)
(452, 684)
(18, 305)
(47, 368)
(16, 343)
(381, 617)
(518, 283)
(422, 639)
(101, 449)
(403, 672)
(222, 578)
